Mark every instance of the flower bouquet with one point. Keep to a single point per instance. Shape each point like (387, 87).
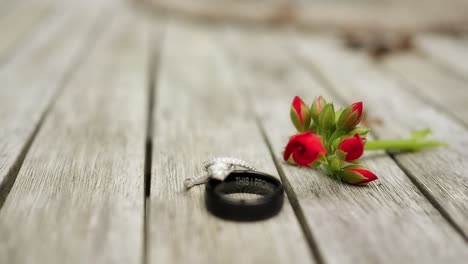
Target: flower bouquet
(334, 140)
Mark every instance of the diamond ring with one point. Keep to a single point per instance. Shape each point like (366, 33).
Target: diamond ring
(218, 168)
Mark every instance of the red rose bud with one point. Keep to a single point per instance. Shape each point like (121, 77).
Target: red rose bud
(350, 117)
(353, 147)
(355, 174)
(304, 149)
(317, 107)
(300, 114)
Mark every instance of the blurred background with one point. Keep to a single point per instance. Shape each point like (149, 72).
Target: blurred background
(395, 15)
(378, 26)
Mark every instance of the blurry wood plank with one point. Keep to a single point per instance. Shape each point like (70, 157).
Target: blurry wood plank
(79, 196)
(19, 21)
(7, 5)
(430, 81)
(199, 114)
(440, 173)
(374, 15)
(449, 52)
(389, 221)
(31, 80)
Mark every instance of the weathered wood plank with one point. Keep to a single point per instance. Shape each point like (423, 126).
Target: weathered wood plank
(440, 173)
(199, 114)
(430, 81)
(79, 196)
(449, 52)
(396, 15)
(6, 6)
(30, 81)
(389, 221)
(18, 23)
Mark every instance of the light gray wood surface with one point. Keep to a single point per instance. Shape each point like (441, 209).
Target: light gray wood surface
(16, 24)
(397, 15)
(341, 217)
(449, 52)
(103, 115)
(7, 5)
(199, 114)
(447, 92)
(440, 173)
(32, 79)
(79, 196)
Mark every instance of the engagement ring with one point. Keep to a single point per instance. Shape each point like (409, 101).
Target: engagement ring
(218, 168)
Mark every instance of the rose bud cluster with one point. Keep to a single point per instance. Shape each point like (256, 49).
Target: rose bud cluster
(329, 138)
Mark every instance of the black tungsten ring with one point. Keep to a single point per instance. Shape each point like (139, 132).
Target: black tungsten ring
(268, 188)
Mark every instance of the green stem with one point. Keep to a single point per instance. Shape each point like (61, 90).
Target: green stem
(403, 144)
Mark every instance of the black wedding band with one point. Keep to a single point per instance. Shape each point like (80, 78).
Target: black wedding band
(269, 189)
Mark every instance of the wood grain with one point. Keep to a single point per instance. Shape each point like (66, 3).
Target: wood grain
(389, 221)
(446, 91)
(79, 196)
(199, 114)
(31, 80)
(440, 173)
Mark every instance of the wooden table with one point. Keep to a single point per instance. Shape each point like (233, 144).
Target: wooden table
(104, 112)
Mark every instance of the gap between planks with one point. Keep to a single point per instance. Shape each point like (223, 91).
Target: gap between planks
(155, 43)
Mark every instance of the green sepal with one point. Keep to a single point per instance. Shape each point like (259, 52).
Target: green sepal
(305, 124)
(322, 158)
(315, 109)
(350, 176)
(313, 128)
(348, 119)
(295, 120)
(291, 160)
(338, 114)
(335, 164)
(314, 164)
(341, 155)
(327, 118)
(336, 142)
(306, 116)
(362, 131)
